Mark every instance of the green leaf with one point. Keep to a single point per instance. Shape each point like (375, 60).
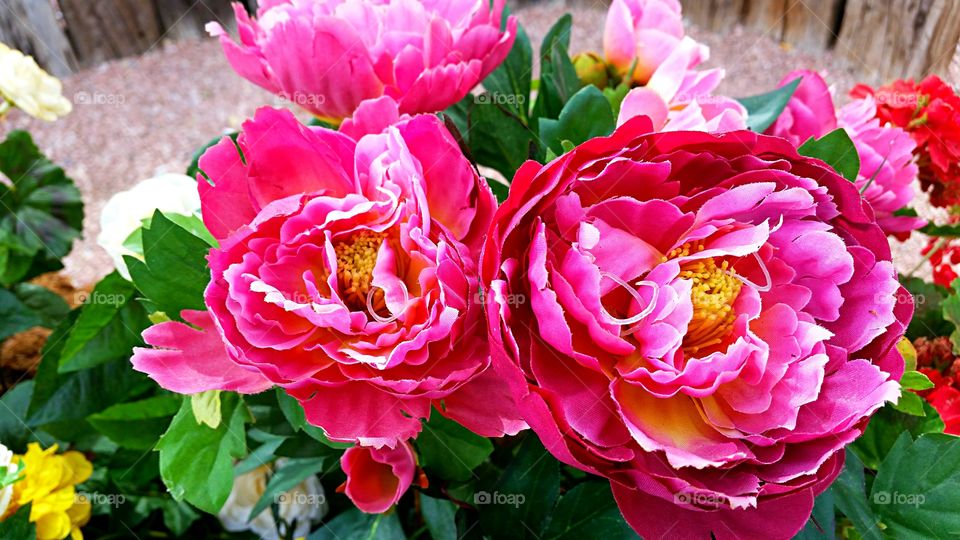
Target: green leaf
(498, 138)
(206, 408)
(174, 272)
(951, 312)
(15, 316)
(41, 212)
(587, 512)
(108, 326)
(910, 403)
(500, 190)
(264, 453)
(558, 77)
(13, 416)
(916, 492)
(294, 414)
(18, 526)
(194, 168)
(849, 492)
(439, 515)
(512, 79)
(517, 505)
(286, 478)
(837, 150)
(914, 380)
(355, 525)
(137, 425)
(928, 317)
(764, 109)
(450, 450)
(177, 515)
(196, 462)
(886, 426)
(822, 524)
(585, 116)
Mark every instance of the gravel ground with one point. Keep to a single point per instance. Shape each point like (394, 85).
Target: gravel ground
(136, 118)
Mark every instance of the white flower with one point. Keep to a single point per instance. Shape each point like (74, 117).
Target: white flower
(301, 507)
(6, 467)
(124, 212)
(30, 88)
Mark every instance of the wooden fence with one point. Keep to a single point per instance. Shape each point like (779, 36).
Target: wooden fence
(67, 35)
(883, 39)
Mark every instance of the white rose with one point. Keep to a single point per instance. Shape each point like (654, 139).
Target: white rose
(301, 507)
(124, 212)
(30, 88)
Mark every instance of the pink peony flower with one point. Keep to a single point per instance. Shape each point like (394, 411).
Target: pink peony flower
(645, 32)
(328, 56)
(345, 274)
(710, 320)
(809, 113)
(377, 478)
(887, 167)
(677, 98)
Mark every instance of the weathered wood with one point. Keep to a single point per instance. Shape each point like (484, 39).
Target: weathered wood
(716, 15)
(810, 24)
(32, 27)
(101, 30)
(889, 39)
(767, 16)
(185, 19)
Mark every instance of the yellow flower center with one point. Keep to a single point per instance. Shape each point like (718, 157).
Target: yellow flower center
(356, 259)
(715, 288)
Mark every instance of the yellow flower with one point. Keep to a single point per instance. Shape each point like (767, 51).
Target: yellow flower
(26, 86)
(48, 484)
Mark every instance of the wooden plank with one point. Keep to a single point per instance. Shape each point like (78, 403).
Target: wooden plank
(32, 27)
(767, 17)
(715, 15)
(810, 24)
(102, 30)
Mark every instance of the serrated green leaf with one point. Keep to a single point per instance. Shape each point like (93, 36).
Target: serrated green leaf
(884, 428)
(355, 525)
(763, 109)
(450, 450)
(849, 492)
(914, 380)
(512, 79)
(910, 403)
(439, 515)
(174, 272)
(139, 424)
(837, 150)
(587, 512)
(585, 116)
(196, 462)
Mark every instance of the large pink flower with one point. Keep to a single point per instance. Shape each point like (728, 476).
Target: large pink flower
(377, 478)
(345, 274)
(330, 55)
(709, 320)
(645, 32)
(887, 169)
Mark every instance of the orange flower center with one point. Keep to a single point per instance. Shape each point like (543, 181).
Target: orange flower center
(715, 288)
(356, 259)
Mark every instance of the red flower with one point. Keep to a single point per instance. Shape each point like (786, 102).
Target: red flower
(945, 260)
(930, 112)
(946, 400)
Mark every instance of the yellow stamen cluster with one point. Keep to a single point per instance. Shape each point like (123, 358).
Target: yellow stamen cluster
(356, 259)
(715, 288)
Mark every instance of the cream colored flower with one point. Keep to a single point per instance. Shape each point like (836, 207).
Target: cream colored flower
(6, 467)
(29, 88)
(301, 507)
(124, 212)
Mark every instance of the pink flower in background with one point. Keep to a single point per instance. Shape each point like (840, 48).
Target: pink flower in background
(677, 98)
(377, 478)
(709, 320)
(809, 113)
(328, 56)
(345, 274)
(887, 168)
(645, 32)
